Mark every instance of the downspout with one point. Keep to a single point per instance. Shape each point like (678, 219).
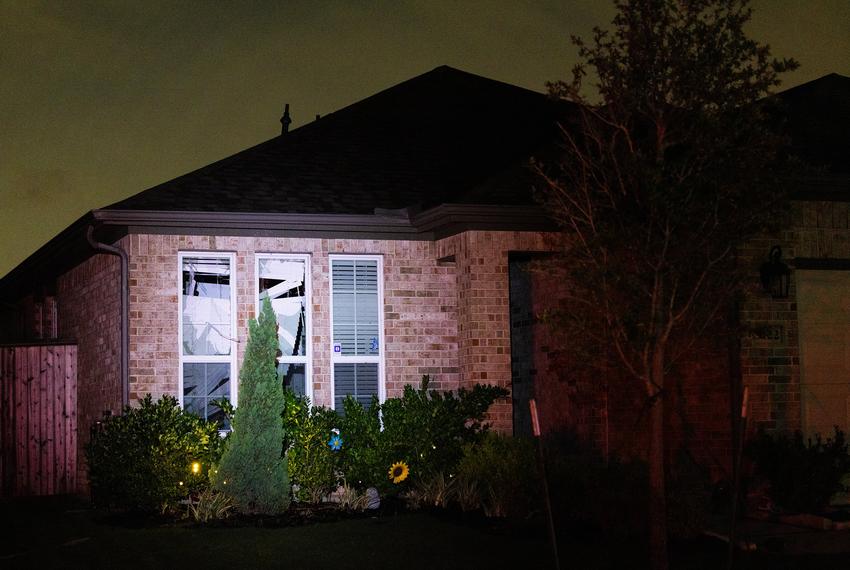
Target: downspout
(125, 311)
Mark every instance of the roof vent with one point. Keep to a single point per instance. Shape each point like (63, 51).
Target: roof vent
(285, 120)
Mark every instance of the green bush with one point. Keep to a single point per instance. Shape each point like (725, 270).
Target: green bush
(802, 474)
(364, 457)
(142, 459)
(436, 490)
(350, 499)
(503, 472)
(253, 467)
(209, 505)
(312, 463)
(426, 429)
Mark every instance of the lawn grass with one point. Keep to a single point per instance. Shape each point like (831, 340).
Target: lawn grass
(67, 533)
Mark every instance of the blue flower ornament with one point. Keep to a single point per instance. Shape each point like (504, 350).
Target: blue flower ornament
(335, 442)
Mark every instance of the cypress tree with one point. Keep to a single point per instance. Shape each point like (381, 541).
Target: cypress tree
(252, 469)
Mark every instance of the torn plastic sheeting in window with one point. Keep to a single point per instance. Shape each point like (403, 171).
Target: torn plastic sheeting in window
(282, 270)
(206, 325)
(290, 316)
(207, 266)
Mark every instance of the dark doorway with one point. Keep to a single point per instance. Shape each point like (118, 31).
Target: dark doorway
(522, 340)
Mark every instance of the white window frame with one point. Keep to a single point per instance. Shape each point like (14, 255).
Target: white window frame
(357, 358)
(234, 343)
(307, 360)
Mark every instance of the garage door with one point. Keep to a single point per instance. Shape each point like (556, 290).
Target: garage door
(823, 304)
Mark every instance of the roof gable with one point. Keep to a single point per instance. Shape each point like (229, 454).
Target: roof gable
(430, 140)
(818, 115)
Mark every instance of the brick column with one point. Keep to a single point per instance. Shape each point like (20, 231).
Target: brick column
(484, 337)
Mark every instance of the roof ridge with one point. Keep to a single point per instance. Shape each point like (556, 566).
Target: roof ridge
(351, 108)
(808, 84)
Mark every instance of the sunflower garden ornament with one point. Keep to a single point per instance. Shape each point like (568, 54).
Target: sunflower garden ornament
(399, 472)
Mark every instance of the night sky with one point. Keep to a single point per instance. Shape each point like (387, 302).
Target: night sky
(100, 100)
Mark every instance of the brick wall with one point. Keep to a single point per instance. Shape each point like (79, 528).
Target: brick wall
(579, 402)
(420, 307)
(607, 408)
(770, 345)
(484, 308)
(770, 356)
(88, 299)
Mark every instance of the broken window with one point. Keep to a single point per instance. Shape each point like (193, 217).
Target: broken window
(283, 279)
(207, 333)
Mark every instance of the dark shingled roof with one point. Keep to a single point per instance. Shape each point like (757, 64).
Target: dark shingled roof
(444, 137)
(446, 140)
(441, 137)
(819, 122)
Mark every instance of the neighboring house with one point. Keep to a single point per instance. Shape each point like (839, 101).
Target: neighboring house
(391, 237)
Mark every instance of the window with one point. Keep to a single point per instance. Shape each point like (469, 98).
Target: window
(284, 279)
(207, 333)
(357, 328)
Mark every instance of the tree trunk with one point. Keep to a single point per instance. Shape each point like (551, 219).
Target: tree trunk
(657, 488)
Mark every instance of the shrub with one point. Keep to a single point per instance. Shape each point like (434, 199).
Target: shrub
(142, 459)
(436, 490)
(426, 429)
(504, 472)
(588, 489)
(689, 494)
(312, 464)
(802, 474)
(351, 499)
(365, 457)
(253, 469)
(467, 494)
(209, 505)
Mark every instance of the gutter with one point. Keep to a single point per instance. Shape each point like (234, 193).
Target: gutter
(255, 223)
(125, 310)
(435, 223)
(449, 219)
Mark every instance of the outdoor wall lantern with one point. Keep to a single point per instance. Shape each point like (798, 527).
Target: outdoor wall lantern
(775, 275)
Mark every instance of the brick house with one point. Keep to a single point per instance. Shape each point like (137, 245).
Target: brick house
(391, 237)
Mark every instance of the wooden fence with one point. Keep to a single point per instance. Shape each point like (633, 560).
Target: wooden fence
(38, 419)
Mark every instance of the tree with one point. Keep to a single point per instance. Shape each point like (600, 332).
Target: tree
(252, 469)
(660, 179)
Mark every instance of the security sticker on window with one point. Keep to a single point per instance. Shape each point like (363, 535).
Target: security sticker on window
(337, 348)
(373, 345)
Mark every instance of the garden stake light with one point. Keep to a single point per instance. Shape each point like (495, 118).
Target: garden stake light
(535, 425)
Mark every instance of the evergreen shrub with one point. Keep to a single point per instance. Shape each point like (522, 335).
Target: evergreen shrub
(253, 468)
